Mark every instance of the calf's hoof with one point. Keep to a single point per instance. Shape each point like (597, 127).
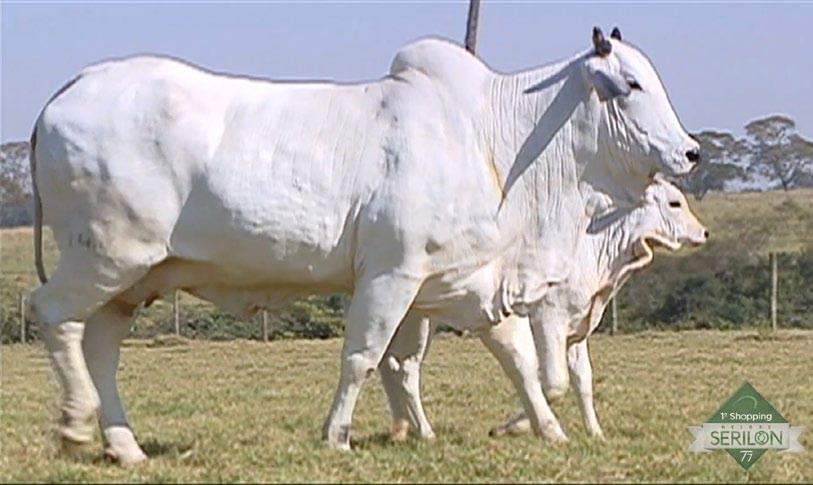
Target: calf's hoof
(399, 430)
(514, 427)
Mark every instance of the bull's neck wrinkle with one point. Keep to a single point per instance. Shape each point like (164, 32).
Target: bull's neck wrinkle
(531, 132)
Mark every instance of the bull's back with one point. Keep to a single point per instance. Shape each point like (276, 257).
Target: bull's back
(250, 174)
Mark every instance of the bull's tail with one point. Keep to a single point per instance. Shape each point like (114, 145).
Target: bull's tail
(37, 201)
(37, 211)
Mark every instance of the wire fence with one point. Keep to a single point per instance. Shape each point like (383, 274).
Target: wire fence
(185, 316)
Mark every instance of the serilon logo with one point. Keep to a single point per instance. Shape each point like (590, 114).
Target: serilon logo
(745, 427)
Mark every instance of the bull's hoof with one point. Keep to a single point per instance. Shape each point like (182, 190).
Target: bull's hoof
(75, 435)
(428, 436)
(72, 448)
(121, 446)
(339, 446)
(337, 437)
(554, 434)
(559, 438)
(76, 429)
(126, 457)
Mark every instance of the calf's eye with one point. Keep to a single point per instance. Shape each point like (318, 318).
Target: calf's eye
(634, 84)
(674, 204)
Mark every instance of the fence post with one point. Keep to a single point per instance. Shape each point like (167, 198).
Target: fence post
(614, 326)
(265, 325)
(176, 312)
(774, 289)
(22, 318)
(471, 25)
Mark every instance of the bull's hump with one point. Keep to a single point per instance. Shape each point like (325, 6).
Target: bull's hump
(440, 59)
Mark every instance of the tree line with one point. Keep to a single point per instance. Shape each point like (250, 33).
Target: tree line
(772, 155)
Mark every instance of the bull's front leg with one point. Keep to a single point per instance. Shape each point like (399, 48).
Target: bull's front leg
(400, 374)
(581, 378)
(512, 344)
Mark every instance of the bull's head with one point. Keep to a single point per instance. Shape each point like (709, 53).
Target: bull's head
(639, 125)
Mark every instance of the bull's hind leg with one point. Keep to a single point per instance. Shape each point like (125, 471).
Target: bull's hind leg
(400, 376)
(82, 283)
(104, 332)
(378, 306)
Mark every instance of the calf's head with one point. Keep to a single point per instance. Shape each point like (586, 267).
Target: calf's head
(666, 218)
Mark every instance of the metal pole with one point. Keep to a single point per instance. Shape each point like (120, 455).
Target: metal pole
(614, 326)
(176, 312)
(774, 289)
(22, 318)
(265, 325)
(471, 25)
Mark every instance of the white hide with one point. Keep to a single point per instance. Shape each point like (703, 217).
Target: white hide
(444, 188)
(617, 243)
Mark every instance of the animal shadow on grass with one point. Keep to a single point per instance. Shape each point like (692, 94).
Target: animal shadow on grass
(371, 441)
(154, 449)
(382, 440)
(179, 451)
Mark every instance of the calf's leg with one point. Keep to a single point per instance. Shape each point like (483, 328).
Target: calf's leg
(400, 374)
(581, 378)
(379, 304)
(516, 425)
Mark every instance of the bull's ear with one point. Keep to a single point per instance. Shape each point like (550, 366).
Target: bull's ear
(608, 85)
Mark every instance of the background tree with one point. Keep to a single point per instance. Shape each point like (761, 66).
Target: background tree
(723, 156)
(15, 185)
(778, 152)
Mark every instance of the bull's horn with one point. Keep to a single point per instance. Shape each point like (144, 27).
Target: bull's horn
(615, 34)
(602, 45)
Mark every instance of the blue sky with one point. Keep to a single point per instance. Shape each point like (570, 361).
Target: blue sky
(723, 63)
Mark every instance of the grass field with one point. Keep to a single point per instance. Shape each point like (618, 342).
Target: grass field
(247, 411)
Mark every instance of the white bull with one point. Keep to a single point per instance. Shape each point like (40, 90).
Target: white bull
(443, 190)
(617, 244)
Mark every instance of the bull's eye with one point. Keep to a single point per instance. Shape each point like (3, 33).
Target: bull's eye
(634, 84)
(674, 204)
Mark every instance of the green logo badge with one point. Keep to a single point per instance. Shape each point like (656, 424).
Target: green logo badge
(745, 426)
